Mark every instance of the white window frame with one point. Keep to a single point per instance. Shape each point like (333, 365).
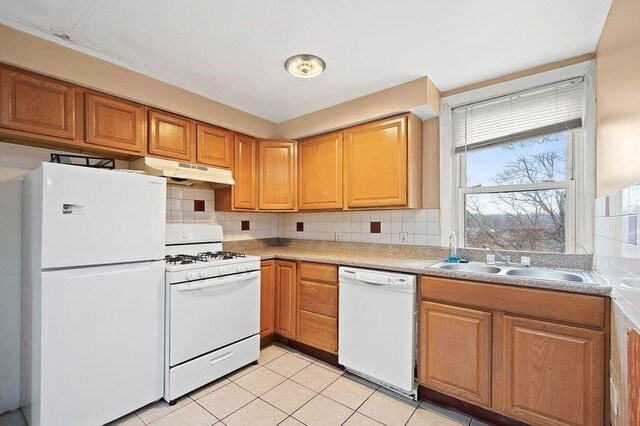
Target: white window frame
(580, 162)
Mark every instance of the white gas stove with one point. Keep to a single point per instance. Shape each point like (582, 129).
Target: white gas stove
(212, 308)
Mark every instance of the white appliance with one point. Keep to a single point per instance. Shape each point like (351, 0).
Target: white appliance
(212, 308)
(182, 172)
(377, 323)
(93, 294)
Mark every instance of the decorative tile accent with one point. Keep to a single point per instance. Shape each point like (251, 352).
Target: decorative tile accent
(299, 226)
(375, 227)
(244, 225)
(198, 205)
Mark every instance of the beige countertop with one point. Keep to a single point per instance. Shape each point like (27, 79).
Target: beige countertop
(417, 265)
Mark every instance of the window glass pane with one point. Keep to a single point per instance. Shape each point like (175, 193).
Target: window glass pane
(527, 220)
(531, 161)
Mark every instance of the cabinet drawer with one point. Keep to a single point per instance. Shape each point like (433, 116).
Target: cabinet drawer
(318, 331)
(319, 272)
(574, 308)
(319, 298)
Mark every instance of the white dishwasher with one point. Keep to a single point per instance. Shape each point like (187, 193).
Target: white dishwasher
(377, 327)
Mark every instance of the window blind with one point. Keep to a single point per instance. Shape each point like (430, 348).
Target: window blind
(528, 114)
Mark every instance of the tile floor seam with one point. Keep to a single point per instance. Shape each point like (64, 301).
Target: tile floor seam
(412, 413)
(220, 419)
(363, 402)
(271, 388)
(270, 369)
(332, 382)
(165, 415)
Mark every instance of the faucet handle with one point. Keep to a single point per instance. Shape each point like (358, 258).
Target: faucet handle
(491, 259)
(525, 261)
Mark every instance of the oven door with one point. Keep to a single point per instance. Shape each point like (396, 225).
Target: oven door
(208, 314)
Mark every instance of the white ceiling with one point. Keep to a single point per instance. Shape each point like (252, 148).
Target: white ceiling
(233, 51)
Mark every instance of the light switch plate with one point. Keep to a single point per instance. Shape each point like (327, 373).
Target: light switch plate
(404, 238)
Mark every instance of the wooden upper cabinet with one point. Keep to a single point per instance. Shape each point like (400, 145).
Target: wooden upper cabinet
(554, 373)
(455, 352)
(214, 146)
(37, 104)
(375, 164)
(286, 299)
(245, 173)
(267, 297)
(276, 175)
(114, 123)
(170, 136)
(320, 172)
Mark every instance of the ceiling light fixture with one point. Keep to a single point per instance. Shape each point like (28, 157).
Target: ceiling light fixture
(305, 66)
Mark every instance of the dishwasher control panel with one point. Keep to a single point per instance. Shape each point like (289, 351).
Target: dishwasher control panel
(374, 278)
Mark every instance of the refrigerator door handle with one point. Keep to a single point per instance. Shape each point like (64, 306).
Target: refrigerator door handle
(96, 271)
(216, 282)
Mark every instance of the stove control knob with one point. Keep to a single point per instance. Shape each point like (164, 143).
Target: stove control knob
(191, 275)
(241, 268)
(204, 274)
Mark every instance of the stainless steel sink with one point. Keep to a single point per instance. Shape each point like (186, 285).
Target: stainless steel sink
(471, 267)
(518, 271)
(546, 274)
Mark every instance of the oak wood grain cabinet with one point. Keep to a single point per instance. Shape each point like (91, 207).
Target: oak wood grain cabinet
(114, 123)
(277, 175)
(317, 320)
(170, 136)
(214, 146)
(37, 104)
(538, 356)
(455, 351)
(554, 372)
(285, 322)
(382, 163)
(267, 297)
(320, 172)
(244, 194)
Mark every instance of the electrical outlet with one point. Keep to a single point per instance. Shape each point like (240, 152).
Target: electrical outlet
(404, 238)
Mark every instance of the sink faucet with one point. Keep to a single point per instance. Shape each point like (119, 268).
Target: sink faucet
(505, 259)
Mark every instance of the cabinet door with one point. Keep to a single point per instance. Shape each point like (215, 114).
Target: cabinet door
(170, 135)
(37, 104)
(276, 175)
(554, 374)
(375, 164)
(286, 298)
(214, 146)
(114, 123)
(267, 297)
(320, 172)
(245, 173)
(318, 331)
(455, 352)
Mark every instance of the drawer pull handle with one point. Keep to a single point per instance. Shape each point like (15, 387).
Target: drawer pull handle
(221, 358)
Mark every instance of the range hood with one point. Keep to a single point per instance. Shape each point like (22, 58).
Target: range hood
(182, 173)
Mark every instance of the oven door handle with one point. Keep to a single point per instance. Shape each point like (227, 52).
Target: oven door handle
(215, 282)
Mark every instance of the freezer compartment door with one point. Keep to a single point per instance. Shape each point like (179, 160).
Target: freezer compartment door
(102, 342)
(97, 217)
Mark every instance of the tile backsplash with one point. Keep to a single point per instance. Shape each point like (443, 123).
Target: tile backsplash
(417, 227)
(194, 205)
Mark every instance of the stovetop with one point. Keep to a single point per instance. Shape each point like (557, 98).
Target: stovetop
(207, 256)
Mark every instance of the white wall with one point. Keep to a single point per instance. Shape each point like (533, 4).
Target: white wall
(10, 263)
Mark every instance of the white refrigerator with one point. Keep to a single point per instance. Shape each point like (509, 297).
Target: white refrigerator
(93, 294)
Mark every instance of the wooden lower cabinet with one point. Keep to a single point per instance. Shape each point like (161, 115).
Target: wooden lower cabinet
(267, 297)
(537, 356)
(317, 322)
(554, 372)
(455, 351)
(285, 310)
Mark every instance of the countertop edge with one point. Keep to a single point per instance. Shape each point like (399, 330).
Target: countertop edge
(589, 289)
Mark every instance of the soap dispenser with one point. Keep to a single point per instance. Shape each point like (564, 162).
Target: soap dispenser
(453, 248)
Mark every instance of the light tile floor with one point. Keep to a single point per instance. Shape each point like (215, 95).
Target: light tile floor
(287, 388)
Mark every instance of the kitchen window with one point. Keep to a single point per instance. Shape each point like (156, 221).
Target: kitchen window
(517, 159)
